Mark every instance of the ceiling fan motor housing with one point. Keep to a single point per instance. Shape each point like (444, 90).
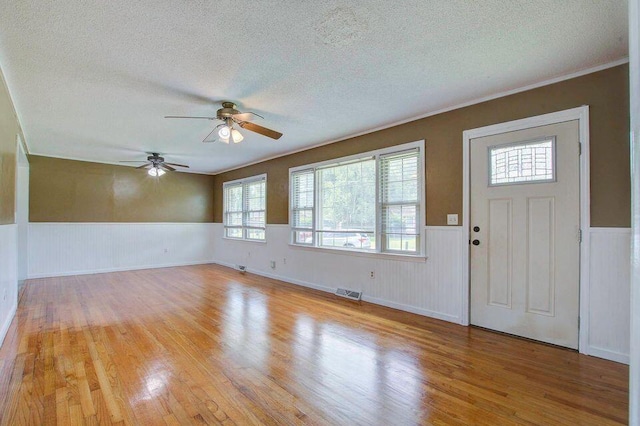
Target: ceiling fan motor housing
(155, 158)
(227, 111)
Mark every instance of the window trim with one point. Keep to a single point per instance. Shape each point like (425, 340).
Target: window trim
(244, 227)
(375, 154)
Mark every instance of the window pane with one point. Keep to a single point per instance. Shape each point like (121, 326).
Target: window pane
(234, 219)
(234, 233)
(400, 219)
(302, 186)
(347, 198)
(255, 234)
(302, 237)
(245, 207)
(399, 192)
(523, 162)
(342, 205)
(401, 242)
(255, 219)
(400, 174)
(344, 239)
(255, 198)
(234, 199)
(303, 219)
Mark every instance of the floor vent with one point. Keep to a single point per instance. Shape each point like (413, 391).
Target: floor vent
(242, 268)
(349, 294)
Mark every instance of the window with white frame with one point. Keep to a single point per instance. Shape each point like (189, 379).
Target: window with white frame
(372, 202)
(245, 212)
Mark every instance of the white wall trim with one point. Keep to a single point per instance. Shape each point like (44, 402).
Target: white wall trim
(8, 276)
(61, 249)
(634, 97)
(600, 230)
(608, 307)
(427, 287)
(582, 115)
(365, 298)
(608, 354)
(7, 323)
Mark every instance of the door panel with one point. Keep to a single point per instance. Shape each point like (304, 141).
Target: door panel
(540, 255)
(525, 201)
(500, 252)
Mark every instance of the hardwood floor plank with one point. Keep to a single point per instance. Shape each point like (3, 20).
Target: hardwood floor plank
(207, 345)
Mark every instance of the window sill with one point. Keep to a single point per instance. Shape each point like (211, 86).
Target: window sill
(390, 256)
(245, 240)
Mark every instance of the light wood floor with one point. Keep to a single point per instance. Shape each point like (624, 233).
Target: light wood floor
(208, 345)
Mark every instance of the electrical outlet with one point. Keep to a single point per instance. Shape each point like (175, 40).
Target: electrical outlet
(372, 275)
(273, 264)
(452, 219)
(284, 261)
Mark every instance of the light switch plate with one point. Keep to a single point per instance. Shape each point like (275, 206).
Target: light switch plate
(452, 219)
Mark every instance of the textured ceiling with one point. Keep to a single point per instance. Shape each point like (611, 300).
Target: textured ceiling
(92, 80)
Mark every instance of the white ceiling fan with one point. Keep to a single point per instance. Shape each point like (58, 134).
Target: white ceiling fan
(230, 116)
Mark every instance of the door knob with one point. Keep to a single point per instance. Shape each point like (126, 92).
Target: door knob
(475, 242)
(476, 229)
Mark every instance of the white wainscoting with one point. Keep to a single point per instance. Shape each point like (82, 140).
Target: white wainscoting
(434, 287)
(429, 287)
(57, 249)
(8, 277)
(609, 293)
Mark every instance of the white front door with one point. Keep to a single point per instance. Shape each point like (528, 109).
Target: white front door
(525, 224)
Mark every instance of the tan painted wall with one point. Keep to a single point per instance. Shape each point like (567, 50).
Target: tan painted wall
(9, 129)
(606, 92)
(80, 191)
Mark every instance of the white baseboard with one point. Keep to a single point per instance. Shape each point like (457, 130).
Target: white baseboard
(607, 354)
(279, 278)
(412, 309)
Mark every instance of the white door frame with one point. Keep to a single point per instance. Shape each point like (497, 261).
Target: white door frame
(634, 96)
(582, 115)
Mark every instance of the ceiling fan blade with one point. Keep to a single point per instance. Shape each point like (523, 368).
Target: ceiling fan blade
(185, 116)
(144, 166)
(211, 137)
(164, 166)
(261, 130)
(131, 161)
(179, 165)
(245, 116)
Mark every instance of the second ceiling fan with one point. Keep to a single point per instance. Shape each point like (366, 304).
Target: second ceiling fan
(230, 116)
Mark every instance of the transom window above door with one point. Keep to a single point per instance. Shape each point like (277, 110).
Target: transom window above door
(522, 162)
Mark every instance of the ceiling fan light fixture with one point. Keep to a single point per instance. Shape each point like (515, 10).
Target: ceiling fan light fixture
(236, 136)
(156, 172)
(224, 132)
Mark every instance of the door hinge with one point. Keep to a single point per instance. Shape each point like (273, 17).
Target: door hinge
(578, 323)
(579, 148)
(579, 235)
